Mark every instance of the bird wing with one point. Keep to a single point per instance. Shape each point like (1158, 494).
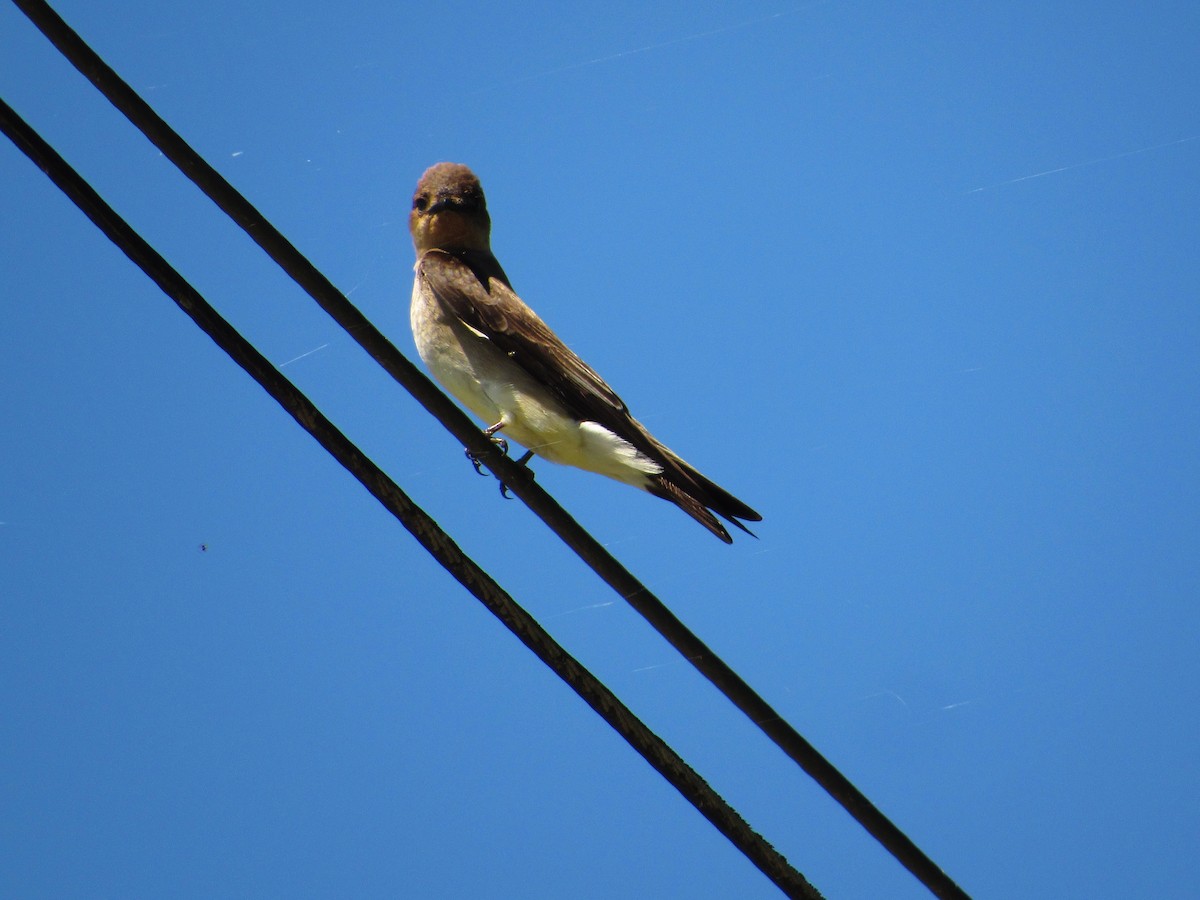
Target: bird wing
(472, 285)
(474, 288)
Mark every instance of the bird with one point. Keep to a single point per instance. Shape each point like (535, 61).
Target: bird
(493, 353)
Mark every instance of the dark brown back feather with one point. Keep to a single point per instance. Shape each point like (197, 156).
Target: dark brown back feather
(472, 285)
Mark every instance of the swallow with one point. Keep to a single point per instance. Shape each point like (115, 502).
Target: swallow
(485, 346)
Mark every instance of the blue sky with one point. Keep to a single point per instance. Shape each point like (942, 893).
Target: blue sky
(918, 281)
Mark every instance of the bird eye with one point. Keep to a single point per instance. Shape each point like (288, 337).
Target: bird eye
(420, 202)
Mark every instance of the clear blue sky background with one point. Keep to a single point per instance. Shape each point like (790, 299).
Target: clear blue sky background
(919, 281)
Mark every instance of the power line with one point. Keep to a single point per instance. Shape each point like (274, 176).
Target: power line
(427, 532)
(237, 207)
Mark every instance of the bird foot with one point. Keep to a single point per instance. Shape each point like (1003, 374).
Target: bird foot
(476, 463)
(501, 445)
(524, 463)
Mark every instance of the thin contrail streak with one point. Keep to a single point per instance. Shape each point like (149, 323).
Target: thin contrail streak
(669, 43)
(302, 355)
(1086, 162)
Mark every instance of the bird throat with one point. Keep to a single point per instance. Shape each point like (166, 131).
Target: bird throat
(449, 229)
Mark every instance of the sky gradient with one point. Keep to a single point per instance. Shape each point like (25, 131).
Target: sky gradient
(919, 282)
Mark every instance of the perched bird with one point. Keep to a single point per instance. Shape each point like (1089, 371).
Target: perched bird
(492, 352)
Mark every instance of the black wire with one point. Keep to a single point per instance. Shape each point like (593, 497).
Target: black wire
(652, 748)
(229, 200)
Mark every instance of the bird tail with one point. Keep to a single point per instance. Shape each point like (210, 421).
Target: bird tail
(700, 498)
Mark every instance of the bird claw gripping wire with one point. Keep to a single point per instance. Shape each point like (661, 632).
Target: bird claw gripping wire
(523, 462)
(502, 446)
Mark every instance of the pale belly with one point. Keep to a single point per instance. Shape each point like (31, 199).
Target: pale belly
(494, 388)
